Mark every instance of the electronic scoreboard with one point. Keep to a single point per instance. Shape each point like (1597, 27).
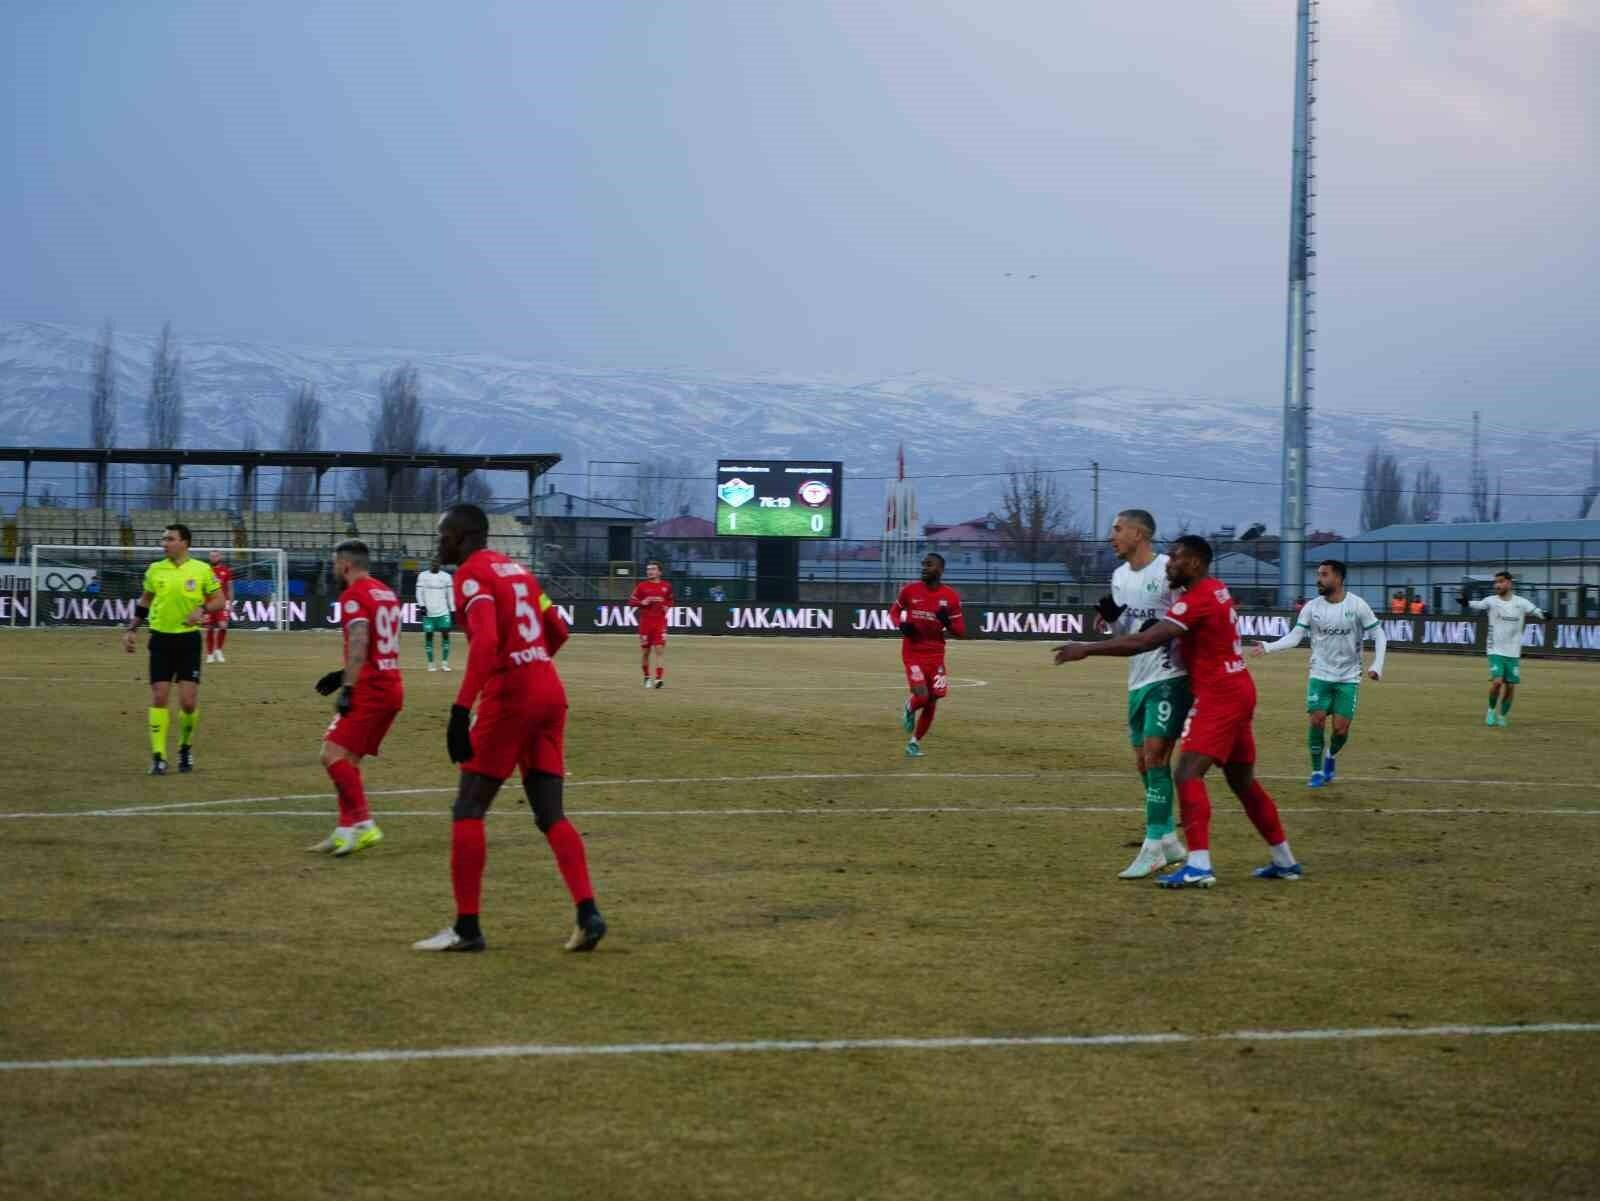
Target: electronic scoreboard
(778, 498)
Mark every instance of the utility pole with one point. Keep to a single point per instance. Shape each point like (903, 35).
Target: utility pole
(1094, 529)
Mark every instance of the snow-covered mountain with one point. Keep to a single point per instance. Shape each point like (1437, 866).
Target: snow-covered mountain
(959, 437)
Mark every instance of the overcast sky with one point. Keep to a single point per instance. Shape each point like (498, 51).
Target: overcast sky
(828, 188)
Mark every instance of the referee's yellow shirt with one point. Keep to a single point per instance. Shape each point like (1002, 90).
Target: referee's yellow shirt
(178, 591)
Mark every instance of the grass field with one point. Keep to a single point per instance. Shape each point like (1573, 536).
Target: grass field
(774, 869)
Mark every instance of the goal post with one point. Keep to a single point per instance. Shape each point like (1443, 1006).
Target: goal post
(70, 584)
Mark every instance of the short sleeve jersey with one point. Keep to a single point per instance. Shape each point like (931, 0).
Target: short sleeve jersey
(920, 605)
(1211, 645)
(1146, 595)
(224, 575)
(523, 669)
(1337, 632)
(1507, 618)
(371, 601)
(179, 589)
(652, 617)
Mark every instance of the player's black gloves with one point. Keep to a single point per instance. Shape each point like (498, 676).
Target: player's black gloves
(944, 617)
(909, 630)
(1462, 599)
(1109, 609)
(458, 737)
(330, 683)
(346, 699)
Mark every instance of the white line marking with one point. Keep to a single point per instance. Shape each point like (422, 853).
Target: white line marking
(251, 1059)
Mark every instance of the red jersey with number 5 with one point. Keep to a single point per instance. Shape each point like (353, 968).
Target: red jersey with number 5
(528, 627)
(1211, 645)
(373, 602)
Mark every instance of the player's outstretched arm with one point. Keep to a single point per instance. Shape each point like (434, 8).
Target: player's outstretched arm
(1295, 636)
(1123, 647)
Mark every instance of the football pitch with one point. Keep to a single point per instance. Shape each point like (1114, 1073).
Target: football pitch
(832, 972)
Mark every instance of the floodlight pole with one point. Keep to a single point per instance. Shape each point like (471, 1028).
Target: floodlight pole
(1298, 351)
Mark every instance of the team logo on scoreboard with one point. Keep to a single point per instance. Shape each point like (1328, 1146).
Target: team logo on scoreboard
(736, 492)
(815, 493)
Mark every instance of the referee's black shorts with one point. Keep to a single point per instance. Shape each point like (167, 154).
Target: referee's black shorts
(175, 657)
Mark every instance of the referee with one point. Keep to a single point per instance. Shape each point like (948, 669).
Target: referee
(178, 590)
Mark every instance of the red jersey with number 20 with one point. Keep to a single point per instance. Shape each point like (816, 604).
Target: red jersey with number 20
(371, 601)
(528, 628)
(1211, 645)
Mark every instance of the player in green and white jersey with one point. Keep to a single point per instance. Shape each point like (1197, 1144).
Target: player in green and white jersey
(1158, 684)
(1508, 614)
(1338, 624)
(436, 597)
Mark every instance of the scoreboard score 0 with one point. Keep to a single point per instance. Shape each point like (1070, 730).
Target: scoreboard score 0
(778, 498)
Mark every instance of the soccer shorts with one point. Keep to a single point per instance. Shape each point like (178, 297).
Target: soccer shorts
(175, 657)
(1505, 667)
(928, 673)
(361, 731)
(1220, 730)
(1158, 710)
(652, 636)
(219, 618)
(436, 625)
(528, 735)
(1325, 696)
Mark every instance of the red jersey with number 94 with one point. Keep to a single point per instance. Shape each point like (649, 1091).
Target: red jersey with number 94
(373, 602)
(1211, 645)
(523, 667)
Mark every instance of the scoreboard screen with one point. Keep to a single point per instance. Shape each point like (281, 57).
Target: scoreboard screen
(778, 498)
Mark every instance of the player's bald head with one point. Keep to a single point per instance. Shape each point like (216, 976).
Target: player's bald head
(463, 529)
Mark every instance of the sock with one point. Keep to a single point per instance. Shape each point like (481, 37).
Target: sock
(660, 671)
(469, 852)
(1200, 860)
(158, 731)
(187, 721)
(567, 844)
(1281, 855)
(222, 636)
(1314, 736)
(644, 667)
(427, 645)
(1157, 802)
(915, 702)
(925, 718)
(1336, 743)
(444, 641)
(1263, 814)
(1195, 807)
(1505, 705)
(211, 640)
(1494, 699)
(346, 777)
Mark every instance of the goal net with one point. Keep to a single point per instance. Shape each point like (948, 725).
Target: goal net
(99, 585)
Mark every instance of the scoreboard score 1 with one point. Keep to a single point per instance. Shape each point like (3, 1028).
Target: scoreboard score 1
(778, 498)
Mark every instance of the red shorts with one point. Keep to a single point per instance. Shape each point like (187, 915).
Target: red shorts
(652, 636)
(219, 618)
(1221, 729)
(528, 735)
(361, 730)
(929, 673)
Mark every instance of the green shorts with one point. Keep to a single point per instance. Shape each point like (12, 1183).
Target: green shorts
(1325, 696)
(1504, 667)
(439, 624)
(1157, 710)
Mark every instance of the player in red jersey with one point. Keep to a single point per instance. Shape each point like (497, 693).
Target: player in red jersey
(371, 694)
(513, 633)
(217, 620)
(653, 598)
(925, 611)
(1218, 728)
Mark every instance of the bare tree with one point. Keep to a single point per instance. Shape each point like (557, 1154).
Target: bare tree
(164, 413)
(1425, 494)
(102, 413)
(1035, 515)
(667, 487)
(397, 429)
(302, 431)
(1382, 491)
